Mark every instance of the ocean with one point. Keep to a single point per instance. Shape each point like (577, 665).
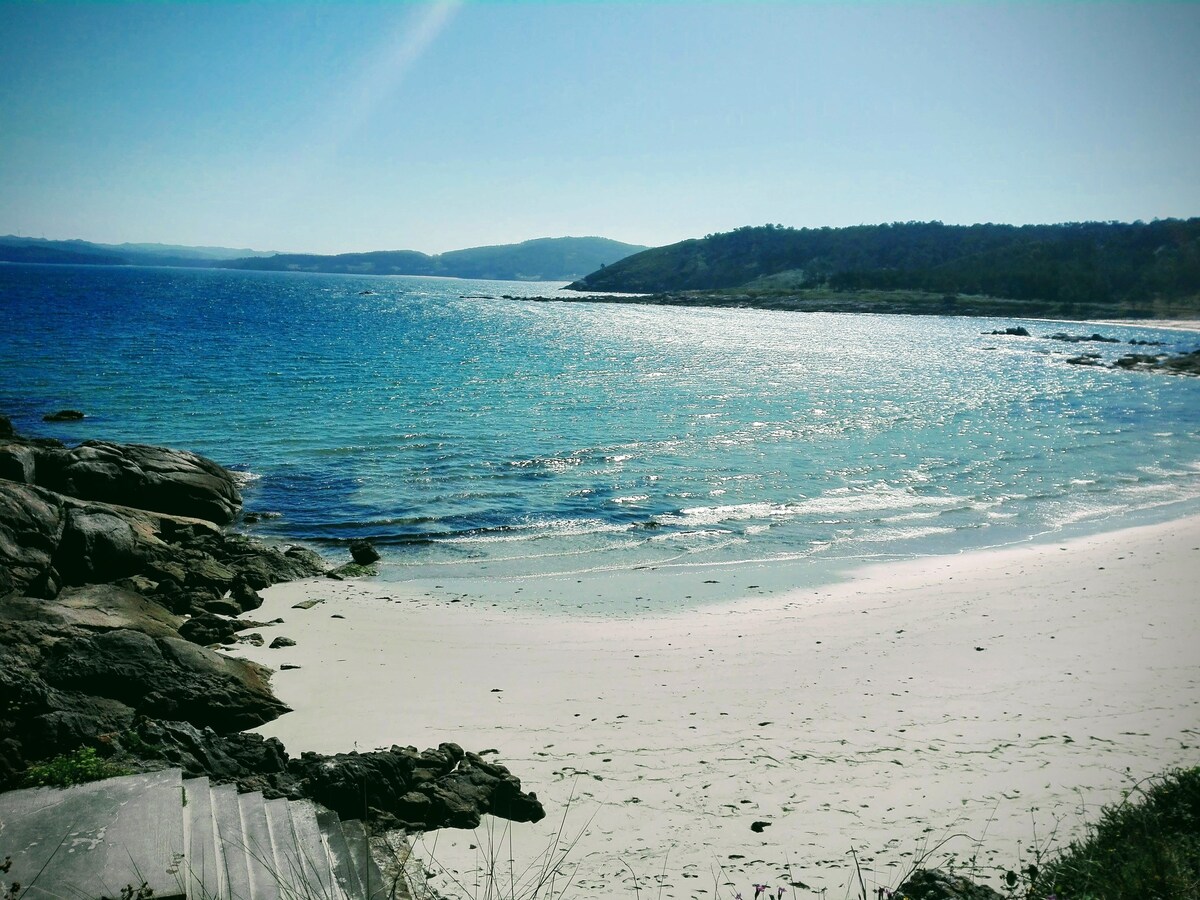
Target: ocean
(476, 437)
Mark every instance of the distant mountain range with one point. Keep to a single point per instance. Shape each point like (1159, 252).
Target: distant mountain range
(543, 259)
(1090, 264)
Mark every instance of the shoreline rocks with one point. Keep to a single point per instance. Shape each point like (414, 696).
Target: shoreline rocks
(115, 570)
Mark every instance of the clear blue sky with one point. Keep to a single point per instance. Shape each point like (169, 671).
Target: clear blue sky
(333, 127)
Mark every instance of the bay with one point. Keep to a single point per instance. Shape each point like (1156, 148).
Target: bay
(471, 435)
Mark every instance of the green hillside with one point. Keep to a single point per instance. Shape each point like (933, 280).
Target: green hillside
(543, 259)
(1090, 264)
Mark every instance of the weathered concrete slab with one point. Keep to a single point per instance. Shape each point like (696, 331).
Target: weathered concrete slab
(202, 864)
(95, 839)
(374, 886)
(315, 862)
(289, 873)
(260, 853)
(344, 872)
(231, 842)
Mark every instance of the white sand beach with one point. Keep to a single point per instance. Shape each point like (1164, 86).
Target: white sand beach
(1001, 695)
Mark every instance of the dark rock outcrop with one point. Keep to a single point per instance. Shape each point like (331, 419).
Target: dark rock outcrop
(175, 482)
(72, 671)
(933, 884)
(400, 787)
(439, 788)
(1082, 338)
(351, 570)
(1014, 331)
(48, 540)
(208, 628)
(364, 552)
(31, 527)
(102, 549)
(63, 415)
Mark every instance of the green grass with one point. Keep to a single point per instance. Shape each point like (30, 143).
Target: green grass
(77, 767)
(1146, 848)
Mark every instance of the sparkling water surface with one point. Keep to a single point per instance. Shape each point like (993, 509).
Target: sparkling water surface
(467, 434)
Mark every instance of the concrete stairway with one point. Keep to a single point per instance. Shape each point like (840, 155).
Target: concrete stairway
(181, 838)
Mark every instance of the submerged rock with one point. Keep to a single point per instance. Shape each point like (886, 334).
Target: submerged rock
(63, 415)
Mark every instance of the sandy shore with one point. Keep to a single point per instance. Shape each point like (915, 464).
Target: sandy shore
(1168, 324)
(999, 694)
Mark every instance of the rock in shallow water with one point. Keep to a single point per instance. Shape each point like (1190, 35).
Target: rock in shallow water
(364, 552)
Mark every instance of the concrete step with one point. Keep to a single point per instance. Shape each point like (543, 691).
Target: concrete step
(260, 852)
(231, 843)
(202, 861)
(94, 839)
(344, 871)
(289, 873)
(315, 863)
(369, 875)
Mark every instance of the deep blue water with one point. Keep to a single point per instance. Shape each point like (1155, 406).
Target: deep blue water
(529, 437)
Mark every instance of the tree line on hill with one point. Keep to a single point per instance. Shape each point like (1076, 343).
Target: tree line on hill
(1076, 264)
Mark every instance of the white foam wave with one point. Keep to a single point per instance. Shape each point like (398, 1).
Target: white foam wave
(838, 502)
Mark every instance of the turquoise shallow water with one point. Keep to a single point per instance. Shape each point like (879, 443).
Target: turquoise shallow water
(469, 435)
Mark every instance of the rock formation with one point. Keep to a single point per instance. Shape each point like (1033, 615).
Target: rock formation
(114, 572)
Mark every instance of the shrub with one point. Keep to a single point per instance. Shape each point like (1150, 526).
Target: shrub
(77, 767)
(1146, 848)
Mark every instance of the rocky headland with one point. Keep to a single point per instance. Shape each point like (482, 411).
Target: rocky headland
(117, 579)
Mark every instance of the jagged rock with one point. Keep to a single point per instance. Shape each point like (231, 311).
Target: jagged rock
(1137, 361)
(438, 788)
(218, 606)
(254, 639)
(31, 527)
(18, 462)
(364, 552)
(351, 570)
(63, 415)
(246, 597)
(6, 427)
(1081, 338)
(933, 884)
(250, 760)
(1016, 331)
(281, 641)
(139, 584)
(99, 607)
(1184, 363)
(158, 479)
(62, 684)
(205, 573)
(168, 678)
(207, 628)
(97, 545)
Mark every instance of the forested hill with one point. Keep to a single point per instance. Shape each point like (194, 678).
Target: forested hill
(543, 259)
(1105, 263)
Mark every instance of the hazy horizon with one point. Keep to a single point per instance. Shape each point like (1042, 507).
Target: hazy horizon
(334, 128)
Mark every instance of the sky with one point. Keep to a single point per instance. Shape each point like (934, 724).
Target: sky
(335, 127)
